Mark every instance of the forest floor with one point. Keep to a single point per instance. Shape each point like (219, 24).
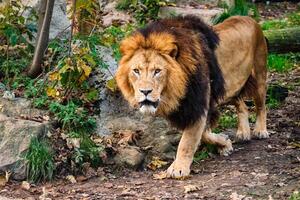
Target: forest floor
(259, 169)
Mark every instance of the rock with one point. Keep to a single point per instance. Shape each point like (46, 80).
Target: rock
(15, 135)
(114, 17)
(129, 156)
(206, 14)
(59, 21)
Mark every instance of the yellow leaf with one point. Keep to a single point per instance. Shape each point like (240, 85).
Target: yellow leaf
(156, 163)
(87, 69)
(160, 176)
(52, 92)
(54, 76)
(190, 188)
(112, 85)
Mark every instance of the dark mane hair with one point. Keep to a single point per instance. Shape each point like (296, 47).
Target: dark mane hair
(206, 79)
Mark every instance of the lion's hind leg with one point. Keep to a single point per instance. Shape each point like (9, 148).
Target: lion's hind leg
(222, 141)
(243, 131)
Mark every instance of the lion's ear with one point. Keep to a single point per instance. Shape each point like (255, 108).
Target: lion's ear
(174, 51)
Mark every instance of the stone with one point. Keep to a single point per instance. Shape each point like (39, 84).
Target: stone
(15, 135)
(206, 14)
(112, 16)
(129, 156)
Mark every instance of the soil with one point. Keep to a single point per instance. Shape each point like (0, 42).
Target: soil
(259, 169)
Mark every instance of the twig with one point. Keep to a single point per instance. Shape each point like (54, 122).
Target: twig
(72, 27)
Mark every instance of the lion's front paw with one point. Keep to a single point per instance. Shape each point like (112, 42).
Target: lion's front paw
(227, 148)
(178, 169)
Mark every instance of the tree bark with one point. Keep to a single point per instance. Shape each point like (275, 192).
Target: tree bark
(283, 40)
(45, 15)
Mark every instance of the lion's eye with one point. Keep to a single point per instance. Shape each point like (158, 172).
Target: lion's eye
(157, 71)
(136, 71)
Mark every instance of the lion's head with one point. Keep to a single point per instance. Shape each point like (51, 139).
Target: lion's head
(169, 68)
(148, 73)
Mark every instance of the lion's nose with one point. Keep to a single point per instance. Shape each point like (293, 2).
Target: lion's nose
(146, 92)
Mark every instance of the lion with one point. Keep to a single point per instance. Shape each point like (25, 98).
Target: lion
(183, 69)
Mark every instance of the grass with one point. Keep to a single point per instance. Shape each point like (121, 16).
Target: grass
(227, 120)
(39, 160)
(205, 152)
(240, 7)
(283, 62)
(295, 196)
(291, 20)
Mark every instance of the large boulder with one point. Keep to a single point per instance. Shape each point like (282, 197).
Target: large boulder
(206, 14)
(16, 133)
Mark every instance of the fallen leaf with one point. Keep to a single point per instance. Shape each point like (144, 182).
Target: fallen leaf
(190, 188)
(156, 163)
(5, 178)
(112, 85)
(71, 178)
(160, 175)
(127, 137)
(25, 185)
(236, 196)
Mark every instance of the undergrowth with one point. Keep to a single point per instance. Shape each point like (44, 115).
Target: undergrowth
(39, 160)
(240, 7)
(291, 20)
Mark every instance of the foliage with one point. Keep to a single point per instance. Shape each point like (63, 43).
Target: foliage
(205, 152)
(240, 7)
(39, 160)
(283, 62)
(226, 120)
(291, 20)
(143, 10)
(295, 196)
(16, 32)
(73, 117)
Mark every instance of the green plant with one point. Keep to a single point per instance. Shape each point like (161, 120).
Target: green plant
(295, 196)
(283, 62)
(39, 161)
(240, 7)
(143, 10)
(205, 152)
(16, 32)
(73, 117)
(291, 20)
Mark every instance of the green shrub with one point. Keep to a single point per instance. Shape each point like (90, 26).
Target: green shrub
(240, 7)
(39, 160)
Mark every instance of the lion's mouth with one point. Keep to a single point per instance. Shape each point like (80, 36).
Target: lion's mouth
(147, 102)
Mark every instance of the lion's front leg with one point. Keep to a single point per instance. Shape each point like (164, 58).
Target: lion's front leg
(186, 149)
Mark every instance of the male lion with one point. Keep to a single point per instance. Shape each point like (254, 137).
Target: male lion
(182, 69)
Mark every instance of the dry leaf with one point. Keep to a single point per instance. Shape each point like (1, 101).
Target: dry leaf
(156, 163)
(5, 178)
(160, 175)
(71, 178)
(25, 185)
(127, 137)
(112, 85)
(190, 188)
(236, 196)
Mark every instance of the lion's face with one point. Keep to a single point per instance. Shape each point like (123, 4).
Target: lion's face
(148, 76)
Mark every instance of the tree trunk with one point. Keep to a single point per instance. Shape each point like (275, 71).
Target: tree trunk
(45, 15)
(283, 40)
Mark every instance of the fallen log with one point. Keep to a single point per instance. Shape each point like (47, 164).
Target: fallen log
(283, 40)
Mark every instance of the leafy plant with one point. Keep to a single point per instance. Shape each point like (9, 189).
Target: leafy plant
(205, 152)
(73, 117)
(240, 7)
(39, 161)
(15, 35)
(295, 196)
(143, 10)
